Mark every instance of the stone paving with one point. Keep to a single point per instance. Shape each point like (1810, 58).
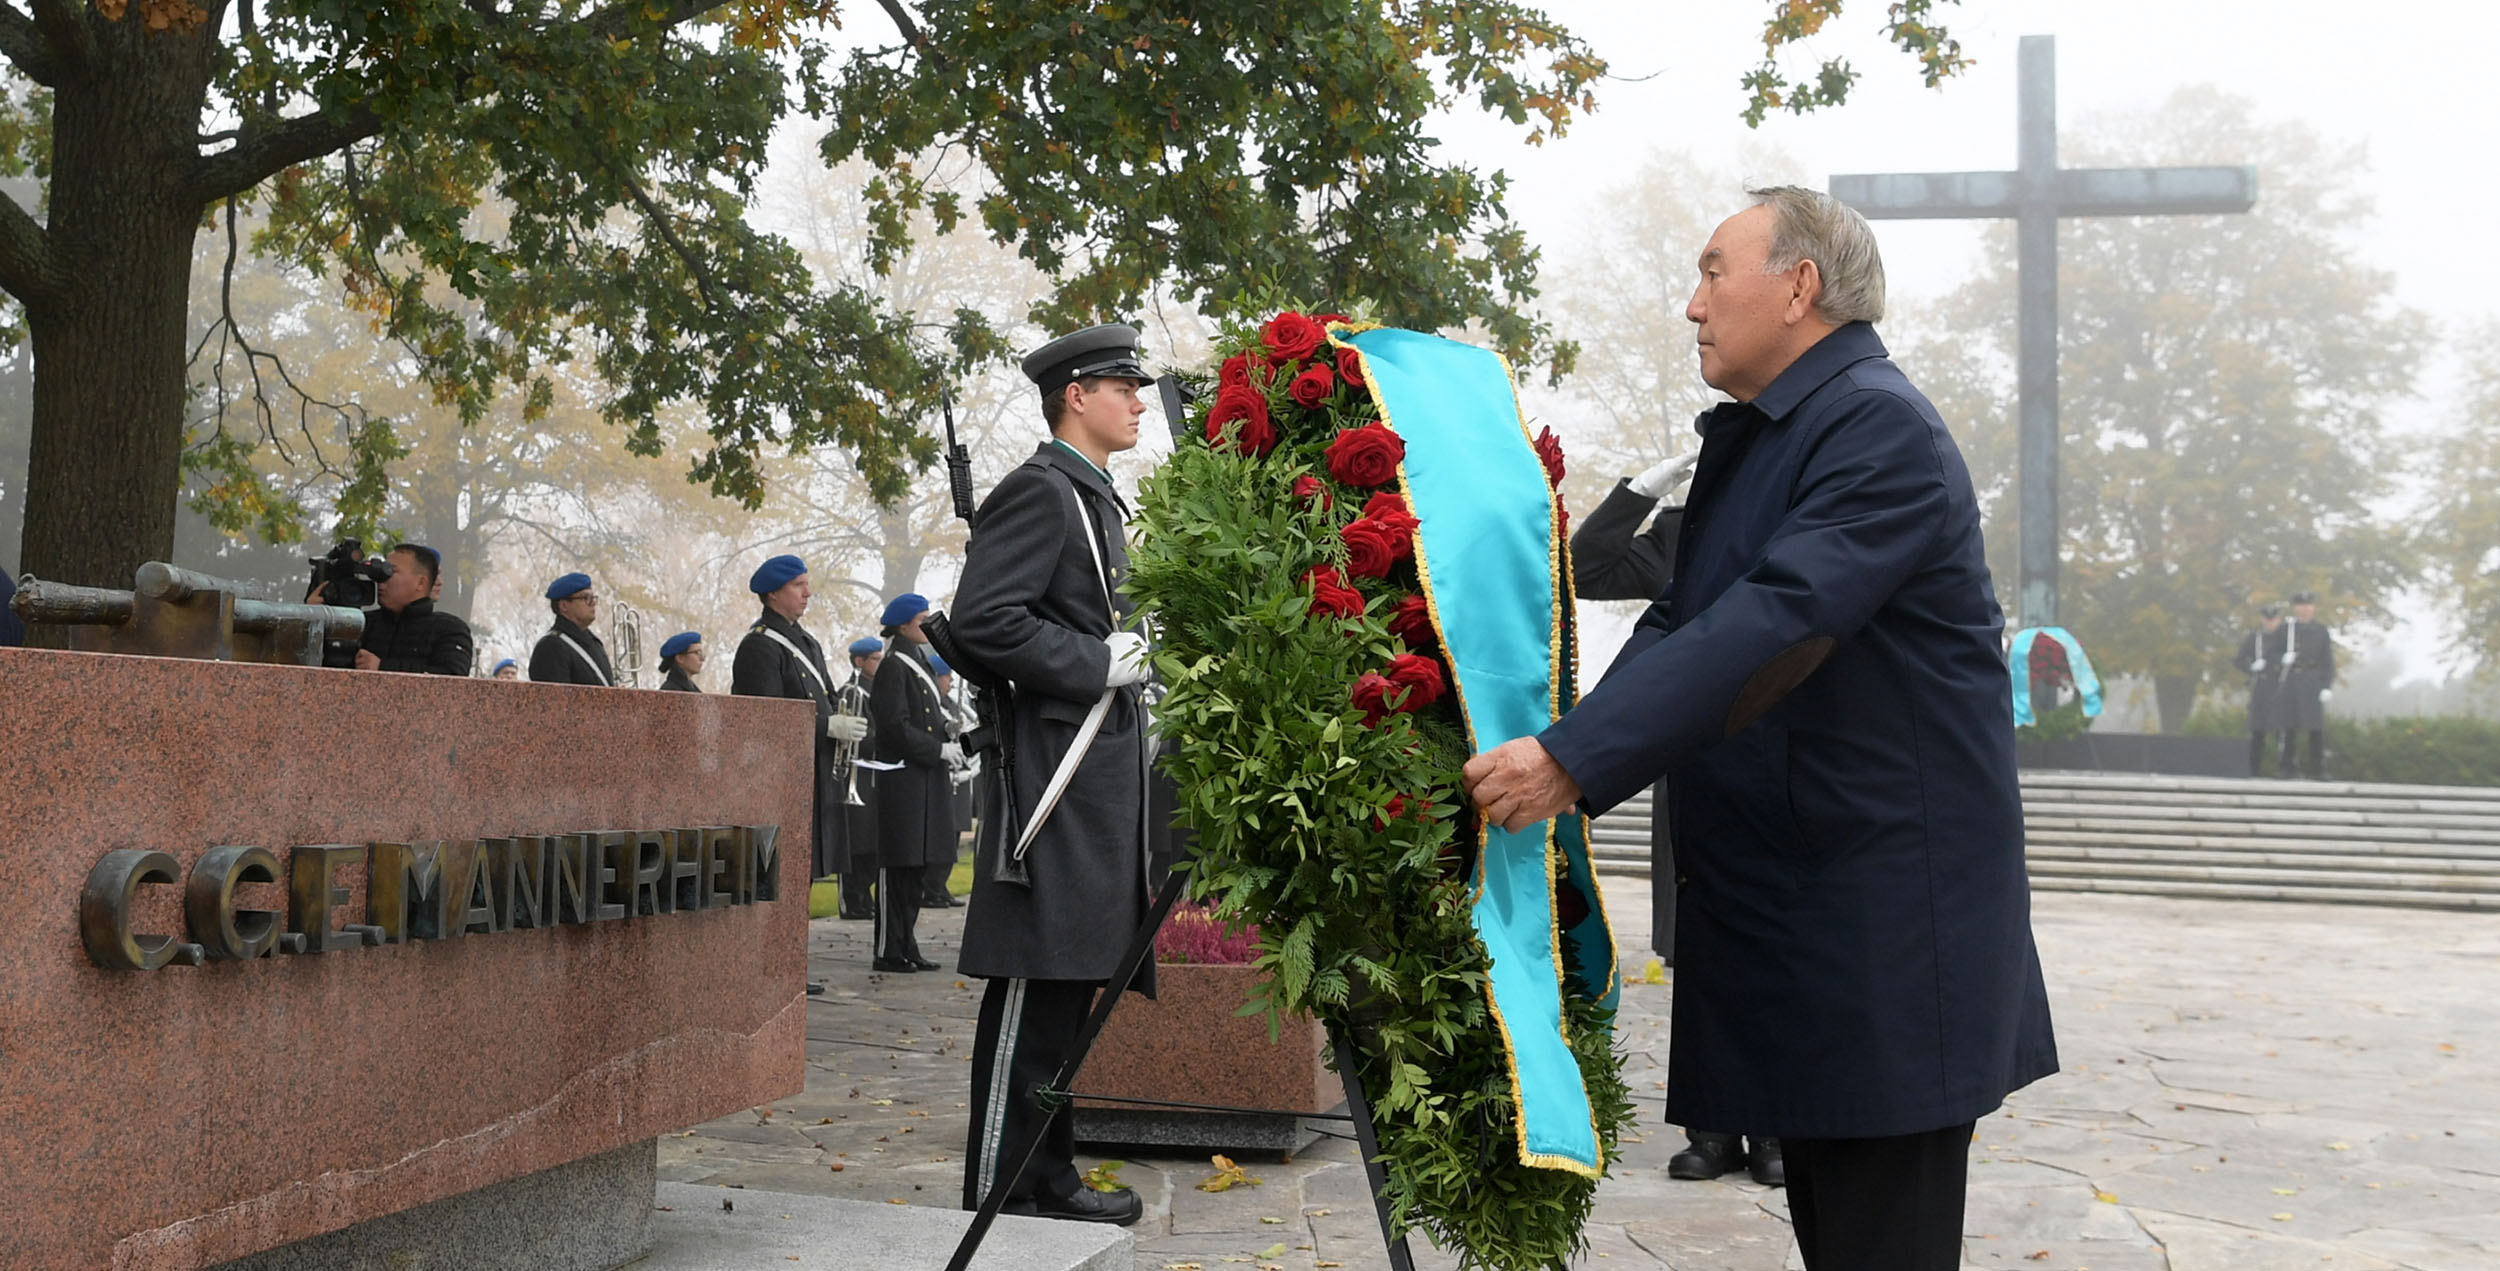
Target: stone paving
(2246, 1085)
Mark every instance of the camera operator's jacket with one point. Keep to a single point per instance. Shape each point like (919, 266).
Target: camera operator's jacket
(419, 638)
(1031, 608)
(766, 668)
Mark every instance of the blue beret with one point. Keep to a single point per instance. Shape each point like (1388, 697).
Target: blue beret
(569, 585)
(904, 608)
(499, 666)
(775, 574)
(867, 646)
(938, 666)
(679, 643)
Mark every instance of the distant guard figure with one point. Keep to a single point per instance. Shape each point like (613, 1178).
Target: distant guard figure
(2308, 684)
(570, 653)
(959, 720)
(505, 669)
(2261, 660)
(681, 659)
(857, 860)
(1040, 605)
(915, 799)
(778, 658)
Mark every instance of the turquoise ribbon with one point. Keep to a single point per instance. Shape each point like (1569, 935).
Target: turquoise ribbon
(1500, 598)
(2018, 661)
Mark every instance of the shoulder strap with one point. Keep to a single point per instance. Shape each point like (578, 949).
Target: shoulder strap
(804, 665)
(587, 660)
(923, 672)
(1093, 547)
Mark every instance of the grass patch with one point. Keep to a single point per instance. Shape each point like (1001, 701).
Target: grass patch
(824, 899)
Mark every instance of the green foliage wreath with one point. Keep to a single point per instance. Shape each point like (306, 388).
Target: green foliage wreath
(1318, 760)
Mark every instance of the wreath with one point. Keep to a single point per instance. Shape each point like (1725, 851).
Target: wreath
(1316, 738)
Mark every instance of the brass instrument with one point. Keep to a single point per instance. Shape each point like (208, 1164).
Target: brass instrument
(850, 702)
(625, 643)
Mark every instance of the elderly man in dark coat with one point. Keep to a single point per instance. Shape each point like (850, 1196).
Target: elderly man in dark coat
(778, 658)
(916, 795)
(1825, 687)
(1040, 605)
(570, 652)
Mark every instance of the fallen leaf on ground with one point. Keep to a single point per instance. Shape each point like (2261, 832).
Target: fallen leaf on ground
(1103, 1178)
(2106, 1198)
(1226, 1177)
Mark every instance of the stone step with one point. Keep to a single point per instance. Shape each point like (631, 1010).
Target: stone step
(2098, 835)
(2046, 779)
(2378, 880)
(2035, 797)
(2487, 870)
(825, 1233)
(2338, 894)
(2266, 816)
(2045, 822)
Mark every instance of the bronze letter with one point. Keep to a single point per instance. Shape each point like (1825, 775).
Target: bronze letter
(615, 898)
(314, 897)
(763, 862)
(476, 907)
(529, 898)
(685, 869)
(104, 913)
(406, 893)
(651, 891)
(225, 932)
(576, 884)
(720, 866)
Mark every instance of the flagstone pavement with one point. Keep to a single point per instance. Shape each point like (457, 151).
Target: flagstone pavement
(2246, 1086)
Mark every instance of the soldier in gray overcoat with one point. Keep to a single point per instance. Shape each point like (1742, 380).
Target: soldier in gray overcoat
(2261, 660)
(915, 796)
(1040, 605)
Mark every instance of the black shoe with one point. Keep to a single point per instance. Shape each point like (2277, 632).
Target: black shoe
(1706, 1157)
(815, 988)
(897, 965)
(859, 915)
(1763, 1161)
(923, 964)
(1119, 1205)
(935, 902)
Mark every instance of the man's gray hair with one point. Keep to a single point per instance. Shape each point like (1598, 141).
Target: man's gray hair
(1811, 225)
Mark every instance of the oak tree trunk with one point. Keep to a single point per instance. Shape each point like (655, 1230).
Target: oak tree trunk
(104, 462)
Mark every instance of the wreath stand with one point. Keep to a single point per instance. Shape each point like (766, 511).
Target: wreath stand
(1053, 1099)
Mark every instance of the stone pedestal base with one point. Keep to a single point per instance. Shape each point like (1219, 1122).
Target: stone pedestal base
(589, 1215)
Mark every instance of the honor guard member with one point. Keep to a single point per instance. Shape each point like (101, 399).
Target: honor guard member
(681, 659)
(778, 658)
(857, 860)
(1039, 605)
(569, 653)
(933, 878)
(507, 669)
(2261, 660)
(915, 795)
(2308, 684)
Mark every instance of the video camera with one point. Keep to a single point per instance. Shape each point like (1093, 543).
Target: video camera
(354, 580)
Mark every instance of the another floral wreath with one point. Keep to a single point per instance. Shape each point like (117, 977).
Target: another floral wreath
(1317, 753)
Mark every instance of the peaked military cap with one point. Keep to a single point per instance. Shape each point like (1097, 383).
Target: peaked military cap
(2304, 597)
(1110, 349)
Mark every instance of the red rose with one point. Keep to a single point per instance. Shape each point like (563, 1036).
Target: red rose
(1311, 388)
(1330, 595)
(1350, 368)
(1389, 508)
(1248, 407)
(1291, 337)
(1366, 457)
(1327, 320)
(1400, 807)
(1371, 696)
(1371, 548)
(1235, 373)
(1308, 489)
(1549, 452)
(1411, 621)
(1419, 673)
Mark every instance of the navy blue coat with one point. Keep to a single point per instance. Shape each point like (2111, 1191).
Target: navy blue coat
(1823, 688)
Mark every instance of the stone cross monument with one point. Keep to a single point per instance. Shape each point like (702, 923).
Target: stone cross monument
(2035, 195)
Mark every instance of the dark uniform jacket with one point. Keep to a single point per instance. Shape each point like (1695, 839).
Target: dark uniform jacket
(1825, 686)
(677, 681)
(555, 662)
(2265, 683)
(765, 668)
(2311, 671)
(12, 630)
(419, 638)
(855, 845)
(1030, 608)
(1613, 558)
(915, 803)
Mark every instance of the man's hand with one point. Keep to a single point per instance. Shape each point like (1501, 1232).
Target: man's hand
(1128, 659)
(1518, 784)
(952, 753)
(366, 661)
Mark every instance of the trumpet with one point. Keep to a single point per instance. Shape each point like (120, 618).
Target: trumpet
(850, 702)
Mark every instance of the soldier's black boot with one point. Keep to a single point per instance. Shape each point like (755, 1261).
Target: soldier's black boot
(1764, 1163)
(1707, 1156)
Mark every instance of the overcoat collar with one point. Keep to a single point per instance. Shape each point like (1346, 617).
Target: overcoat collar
(566, 626)
(1845, 347)
(773, 619)
(1083, 472)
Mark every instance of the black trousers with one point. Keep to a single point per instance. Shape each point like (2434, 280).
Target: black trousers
(859, 893)
(898, 911)
(1027, 1029)
(1890, 1204)
(2317, 752)
(933, 882)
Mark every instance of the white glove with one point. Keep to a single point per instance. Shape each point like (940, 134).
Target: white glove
(849, 728)
(2326, 695)
(1128, 659)
(2258, 665)
(951, 752)
(1660, 481)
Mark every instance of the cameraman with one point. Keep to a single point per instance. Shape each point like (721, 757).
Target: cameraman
(407, 633)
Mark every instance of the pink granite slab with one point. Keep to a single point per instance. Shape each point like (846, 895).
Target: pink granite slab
(1188, 1045)
(171, 1119)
